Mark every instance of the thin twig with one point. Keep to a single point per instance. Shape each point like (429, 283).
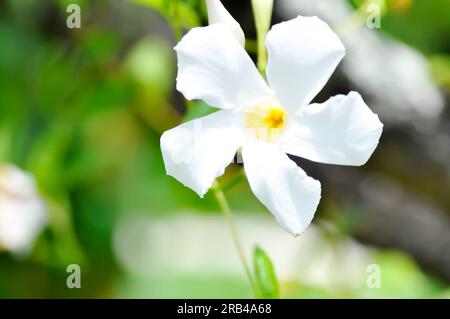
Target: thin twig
(223, 203)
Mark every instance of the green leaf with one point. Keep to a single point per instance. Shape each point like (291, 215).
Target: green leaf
(266, 280)
(179, 13)
(440, 69)
(197, 109)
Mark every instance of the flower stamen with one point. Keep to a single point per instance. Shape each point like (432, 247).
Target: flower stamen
(266, 121)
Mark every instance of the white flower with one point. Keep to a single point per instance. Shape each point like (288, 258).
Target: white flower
(23, 214)
(267, 120)
(218, 14)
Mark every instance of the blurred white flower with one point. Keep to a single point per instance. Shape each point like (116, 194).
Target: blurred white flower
(23, 214)
(267, 120)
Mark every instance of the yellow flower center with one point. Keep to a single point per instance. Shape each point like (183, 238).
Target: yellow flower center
(275, 118)
(266, 121)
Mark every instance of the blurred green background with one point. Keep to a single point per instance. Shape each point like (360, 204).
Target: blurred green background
(83, 109)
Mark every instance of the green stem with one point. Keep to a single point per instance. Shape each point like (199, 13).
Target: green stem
(236, 180)
(262, 12)
(223, 203)
(262, 53)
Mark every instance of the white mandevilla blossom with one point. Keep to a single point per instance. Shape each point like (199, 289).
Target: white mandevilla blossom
(23, 213)
(267, 120)
(218, 14)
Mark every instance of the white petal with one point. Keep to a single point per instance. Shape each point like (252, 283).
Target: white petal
(23, 213)
(21, 221)
(303, 53)
(218, 14)
(212, 66)
(343, 130)
(197, 152)
(283, 187)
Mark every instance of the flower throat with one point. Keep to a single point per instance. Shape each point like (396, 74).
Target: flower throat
(266, 121)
